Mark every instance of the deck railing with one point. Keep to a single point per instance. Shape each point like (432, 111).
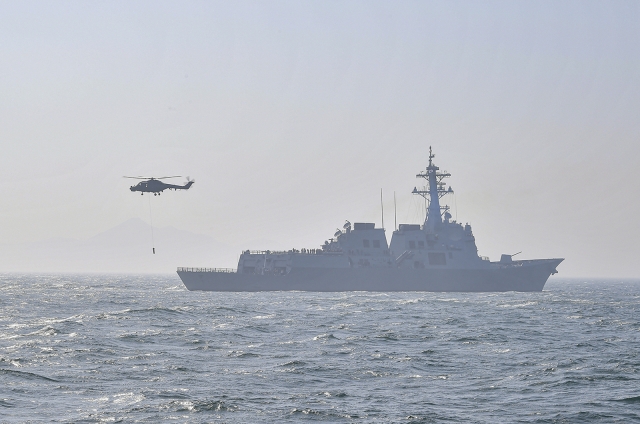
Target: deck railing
(294, 252)
(288, 252)
(227, 270)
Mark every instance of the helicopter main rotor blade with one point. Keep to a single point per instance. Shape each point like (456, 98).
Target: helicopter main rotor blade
(153, 178)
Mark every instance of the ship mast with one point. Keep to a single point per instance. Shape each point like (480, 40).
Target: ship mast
(433, 192)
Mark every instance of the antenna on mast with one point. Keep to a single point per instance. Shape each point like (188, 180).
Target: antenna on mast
(395, 213)
(433, 192)
(382, 208)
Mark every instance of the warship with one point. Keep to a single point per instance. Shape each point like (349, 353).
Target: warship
(437, 256)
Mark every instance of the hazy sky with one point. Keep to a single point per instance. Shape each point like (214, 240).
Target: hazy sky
(291, 116)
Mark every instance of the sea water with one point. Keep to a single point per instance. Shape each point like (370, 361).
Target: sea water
(101, 348)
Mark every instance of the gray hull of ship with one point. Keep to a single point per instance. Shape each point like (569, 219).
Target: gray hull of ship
(527, 276)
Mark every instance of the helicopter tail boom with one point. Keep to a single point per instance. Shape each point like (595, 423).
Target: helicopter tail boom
(178, 187)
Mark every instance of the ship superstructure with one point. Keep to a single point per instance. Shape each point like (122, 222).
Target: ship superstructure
(439, 255)
(440, 241)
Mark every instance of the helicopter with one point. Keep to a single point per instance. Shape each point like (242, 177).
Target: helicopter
(155, 186)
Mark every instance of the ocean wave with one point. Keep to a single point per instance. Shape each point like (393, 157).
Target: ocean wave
(25, 375)
(137, 350)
